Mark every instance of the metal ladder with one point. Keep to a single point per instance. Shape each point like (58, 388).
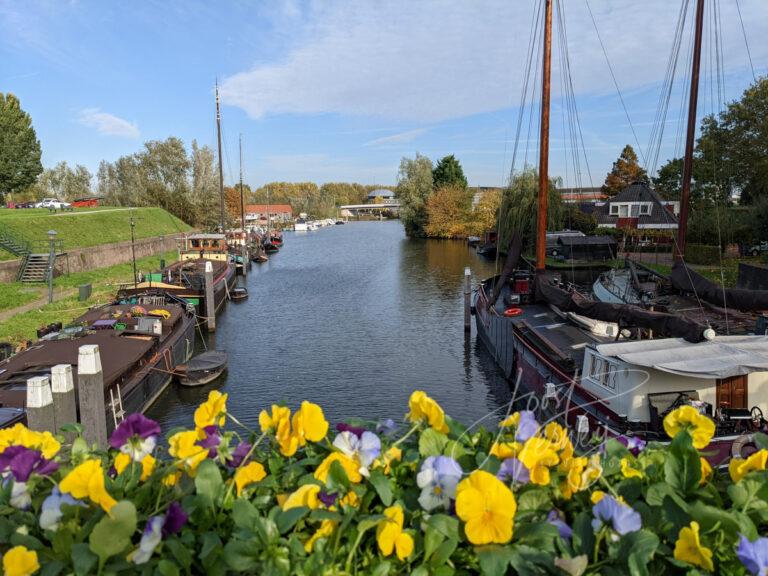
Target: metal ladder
(118, 414)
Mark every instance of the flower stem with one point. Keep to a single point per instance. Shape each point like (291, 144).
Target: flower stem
(407, 435)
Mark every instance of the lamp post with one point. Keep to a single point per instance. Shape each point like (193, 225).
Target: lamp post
(51, 258)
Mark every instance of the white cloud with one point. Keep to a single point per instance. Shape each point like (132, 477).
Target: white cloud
(432, 60)
(400, 138)
(108, 124)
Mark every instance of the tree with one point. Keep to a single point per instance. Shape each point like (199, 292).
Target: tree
(485, 215)
(63, 182)
(574, 219)
(448, 172)
(414, 187)
(448, 212)
(19, 147)
(625, 171)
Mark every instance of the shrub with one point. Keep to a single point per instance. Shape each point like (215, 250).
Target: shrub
(702, 254)
(436, 499)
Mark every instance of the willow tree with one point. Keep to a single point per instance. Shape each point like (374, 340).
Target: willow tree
(519, 206)
(414, 187)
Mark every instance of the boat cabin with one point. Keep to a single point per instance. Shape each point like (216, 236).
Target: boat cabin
(208, 246)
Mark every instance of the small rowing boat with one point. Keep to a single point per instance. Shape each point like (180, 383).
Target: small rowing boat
(202, 369)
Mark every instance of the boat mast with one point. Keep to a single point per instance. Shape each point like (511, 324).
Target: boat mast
(221, 165)
(242, 198)
(691, 133)
(543, 196)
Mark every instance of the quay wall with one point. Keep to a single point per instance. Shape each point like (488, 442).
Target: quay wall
(92, 257)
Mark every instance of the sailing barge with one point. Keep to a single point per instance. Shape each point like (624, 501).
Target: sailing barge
(141, 341)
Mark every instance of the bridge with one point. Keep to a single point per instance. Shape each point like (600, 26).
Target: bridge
(382, 206)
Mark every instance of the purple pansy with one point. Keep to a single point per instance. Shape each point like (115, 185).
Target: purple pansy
(211, 441)
(51, 513)
(437, 479)
(150, 538)
(174, 520)
(555, 518)
(356, 430)
(753, 555)
(527, 426)
(239, 454)
(634, 444)
(514, 470)
(622, 517)
(135, 436)
(328, 499)
(22, 462)
(386, 427)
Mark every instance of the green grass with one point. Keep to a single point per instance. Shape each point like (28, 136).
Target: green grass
(105, 282)
(18, 294)
(88, 226)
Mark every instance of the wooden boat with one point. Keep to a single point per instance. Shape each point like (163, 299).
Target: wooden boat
(202, 369)
(239, 293)
(141, 341)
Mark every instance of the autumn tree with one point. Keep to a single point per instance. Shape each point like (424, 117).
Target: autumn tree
(448, 172)
(414, 187)
(485, 214)
(63, 182)
(448, 212)
(625, 171)
(19, 147)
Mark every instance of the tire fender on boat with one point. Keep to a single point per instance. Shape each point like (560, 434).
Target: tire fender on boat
(510, 312)
(742, 442)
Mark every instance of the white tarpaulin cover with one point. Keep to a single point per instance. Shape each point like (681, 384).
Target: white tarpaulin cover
(723, 357)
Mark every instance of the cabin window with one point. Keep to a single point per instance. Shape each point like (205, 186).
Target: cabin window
(614, 209)
(597, 369)
(645, 209)
(610, 377)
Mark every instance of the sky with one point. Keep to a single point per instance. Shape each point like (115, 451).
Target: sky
(342, 90)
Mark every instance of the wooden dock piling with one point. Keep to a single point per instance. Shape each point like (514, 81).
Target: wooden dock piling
(210, 303)
(90, 383)
(40, 415)
(467, 299)
(64, 401)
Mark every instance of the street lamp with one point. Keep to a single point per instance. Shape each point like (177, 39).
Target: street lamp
(51, 258)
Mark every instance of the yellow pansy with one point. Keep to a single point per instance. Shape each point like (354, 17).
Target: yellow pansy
(147, 464)
(556, 434)
(248, 474)
(504, 450)
(170, 480)
(424, 408)
(740, 467)
(269, 421)
(286, 440)
(303, 496)
(350, 499)
(351, 467)
(572, 482)
(19, 561)
(87, 480)
(309, 423)
(700, 427)
(596, 496)
(390, 535)
(326, 529)
(212, 412)
(487, 506)
(183, 446)
(706, 470)
(281, 499)
(628, 471)
(538, 454)
(688, 548)
(20, 435)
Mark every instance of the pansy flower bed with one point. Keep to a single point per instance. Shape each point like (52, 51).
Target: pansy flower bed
(432, 498)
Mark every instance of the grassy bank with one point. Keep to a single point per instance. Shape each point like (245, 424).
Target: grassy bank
(88, 226)
(105, 282)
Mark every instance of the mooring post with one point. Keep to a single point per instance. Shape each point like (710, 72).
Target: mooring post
(210, 304)
(64, 401)
(467, 299)
(246, 260)
(40, 405)
(90, 386)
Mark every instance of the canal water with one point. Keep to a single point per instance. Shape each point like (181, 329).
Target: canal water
(354, 318)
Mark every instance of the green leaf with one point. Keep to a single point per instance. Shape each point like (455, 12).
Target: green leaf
(432, 539)
(494, 560)
(539, 535)
(180, 552)
(382, 486)
(167, 568)
(575, 566)
(583, 535)
(444, 551)
(240, 555)
(710, 518)
(286, 519)
(211, 542)
(454, 449)
(325, 515)
(432, 442)
(112, 534)
(83, 560)
(208, 482)
(682, 469)
(267, 531)
(448, 526)
(638, 548)
(761, 440)
(381, 569)
(337, 478)
(534, 500)
(52, 568)
(244, 514)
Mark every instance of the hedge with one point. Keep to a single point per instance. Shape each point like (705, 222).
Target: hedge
(702, 254)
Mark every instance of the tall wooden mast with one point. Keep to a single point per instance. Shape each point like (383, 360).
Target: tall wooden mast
(242, 197)
(221, 164)
(543, 196)
(690, 134)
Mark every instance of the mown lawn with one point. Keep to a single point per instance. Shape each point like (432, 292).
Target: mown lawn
(105, 282)
(88, 226)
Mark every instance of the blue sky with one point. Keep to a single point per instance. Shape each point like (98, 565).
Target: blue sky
(341, 91)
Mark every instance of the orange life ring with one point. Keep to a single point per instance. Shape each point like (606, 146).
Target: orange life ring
(509, 312)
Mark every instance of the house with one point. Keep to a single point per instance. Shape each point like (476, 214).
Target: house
(277, 212)
(638, 206)
(386, 195)
(582, 195)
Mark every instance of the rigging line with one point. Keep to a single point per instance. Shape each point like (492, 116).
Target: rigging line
(746, 43)
(615, 82)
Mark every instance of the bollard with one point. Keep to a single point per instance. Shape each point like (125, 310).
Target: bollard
(210, 304)
(40, 405)
(90, 385)
(467, 299)
(246, 260)
(64, 400)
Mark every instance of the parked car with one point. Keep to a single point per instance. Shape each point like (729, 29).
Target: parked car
(758, 249)
(52, 203)
(25, 205)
